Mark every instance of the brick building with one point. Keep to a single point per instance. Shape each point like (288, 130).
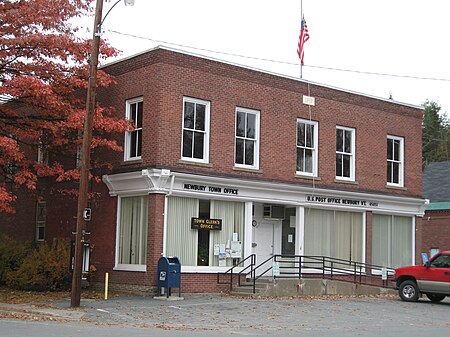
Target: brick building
(436, 222)
(226, 161)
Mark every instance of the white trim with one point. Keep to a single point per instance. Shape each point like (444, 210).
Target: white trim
(315, 157)
(401, 161)
(130, 267)
(206, 132)
(352, 154)
(135, 183)
(127, 144)
(257, 114)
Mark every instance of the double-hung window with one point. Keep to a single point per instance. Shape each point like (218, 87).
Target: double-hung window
(247, 138)
(345, 153)
(307, 140)
(41, 216)
(131, 243)
(195, 142)
(395, 160)
(133, 138)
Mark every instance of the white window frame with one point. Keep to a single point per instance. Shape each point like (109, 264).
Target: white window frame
(123, 266)
(127, 154)
(41, 223)
(314, 148)
(255, 140)
(207, 105)
(400, 162)
(352, 154)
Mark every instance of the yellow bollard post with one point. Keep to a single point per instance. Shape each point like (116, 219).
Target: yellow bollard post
(106, 285)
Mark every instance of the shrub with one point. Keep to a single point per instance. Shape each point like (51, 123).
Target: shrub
(44, 269)
(12, 254)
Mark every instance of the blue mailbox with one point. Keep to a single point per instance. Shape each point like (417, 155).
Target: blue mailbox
(169, 274)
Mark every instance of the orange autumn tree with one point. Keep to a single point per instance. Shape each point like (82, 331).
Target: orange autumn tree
(43, 80)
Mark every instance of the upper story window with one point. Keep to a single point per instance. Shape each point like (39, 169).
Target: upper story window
(247, 138)
(41, 216)
(307, 141)
(195, 142)
(345, 153)
(395, 161)
(133, 138)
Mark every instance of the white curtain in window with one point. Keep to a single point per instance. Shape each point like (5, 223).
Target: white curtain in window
(182, 241)
(232, 215)
(334, 233)
(391, 240)
(402, 241)
(133, 230)
(318, 225)
(381, 228)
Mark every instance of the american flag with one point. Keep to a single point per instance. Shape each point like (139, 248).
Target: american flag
(304, 36)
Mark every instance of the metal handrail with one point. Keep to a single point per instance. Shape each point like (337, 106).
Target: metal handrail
(301, 266)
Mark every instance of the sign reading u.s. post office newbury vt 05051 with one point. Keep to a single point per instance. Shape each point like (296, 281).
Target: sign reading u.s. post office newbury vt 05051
(209, 224)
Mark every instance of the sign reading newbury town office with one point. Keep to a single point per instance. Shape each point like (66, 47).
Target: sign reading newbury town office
(340, 201)
(213, 189)
(209, 224)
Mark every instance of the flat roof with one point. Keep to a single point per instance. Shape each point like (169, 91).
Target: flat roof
(262, 71)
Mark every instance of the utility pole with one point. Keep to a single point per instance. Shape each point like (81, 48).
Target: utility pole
(85, 159)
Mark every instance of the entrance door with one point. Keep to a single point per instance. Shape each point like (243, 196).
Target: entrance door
(288, 233)
(266, 243)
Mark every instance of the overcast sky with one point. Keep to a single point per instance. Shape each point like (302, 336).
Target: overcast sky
(399, 37)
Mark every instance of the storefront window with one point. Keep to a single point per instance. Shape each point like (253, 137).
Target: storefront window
(333, 233)
(391, 240)
(132, 233)
(200, 247)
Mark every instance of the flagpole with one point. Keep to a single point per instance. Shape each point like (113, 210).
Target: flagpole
(301, 18)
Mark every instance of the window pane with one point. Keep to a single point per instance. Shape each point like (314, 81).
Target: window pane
(308, 161)
(339, 165)
(139, 143)
(133, 142)
(389, 149)
(240, 124)
(346, 166)
(389, 172)
(200, 117)
(300, 134)
(395, 173)
(133, 114)
(251, 125)
(309, 135)
(239, 151)
(348, 142)
(396, 150)
(138, 122)
(300, 159)
(189, 115)
(249, 151)
(198, 145)
(187, 143)
(339, 140)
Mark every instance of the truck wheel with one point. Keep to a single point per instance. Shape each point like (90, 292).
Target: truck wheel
(435, 297)
(409, 291)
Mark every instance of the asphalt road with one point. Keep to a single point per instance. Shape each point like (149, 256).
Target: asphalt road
(216, 315)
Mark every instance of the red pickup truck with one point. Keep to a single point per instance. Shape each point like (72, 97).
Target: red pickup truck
(431, 279)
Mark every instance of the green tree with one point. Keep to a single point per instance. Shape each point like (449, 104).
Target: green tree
(435, 134)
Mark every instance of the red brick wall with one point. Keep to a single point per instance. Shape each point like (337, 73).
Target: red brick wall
(170, 76)
(435, 231)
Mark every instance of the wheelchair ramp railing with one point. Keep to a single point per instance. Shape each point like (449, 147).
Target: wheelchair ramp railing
(247, 273)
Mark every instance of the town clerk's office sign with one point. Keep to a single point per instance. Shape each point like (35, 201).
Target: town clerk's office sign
(340, 201)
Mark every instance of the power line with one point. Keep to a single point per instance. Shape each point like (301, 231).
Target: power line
(282, 62)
